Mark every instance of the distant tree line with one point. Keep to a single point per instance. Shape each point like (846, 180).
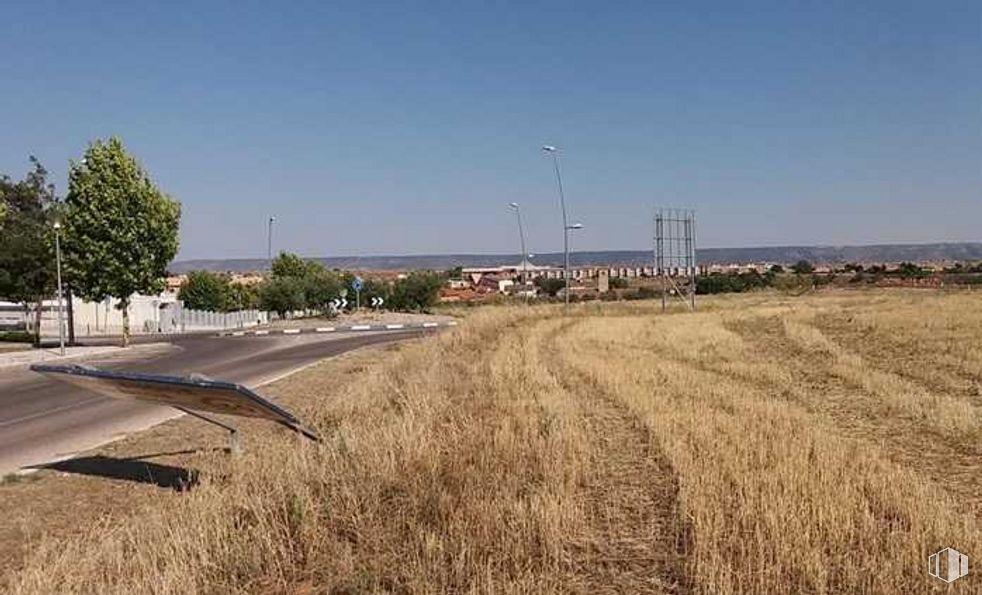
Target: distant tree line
(804, 276)
(299, 285)
(733, 282)
(215, 292)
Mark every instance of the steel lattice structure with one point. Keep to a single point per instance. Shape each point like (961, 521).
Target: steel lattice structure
(675, 254)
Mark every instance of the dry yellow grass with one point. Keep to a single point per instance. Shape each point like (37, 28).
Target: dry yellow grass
(765, 444)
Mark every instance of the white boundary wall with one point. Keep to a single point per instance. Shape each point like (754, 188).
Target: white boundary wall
(161, 314)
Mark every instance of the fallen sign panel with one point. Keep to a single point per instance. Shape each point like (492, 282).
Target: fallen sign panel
(193, 392)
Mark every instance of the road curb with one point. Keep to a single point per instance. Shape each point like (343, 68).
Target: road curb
(354, 328)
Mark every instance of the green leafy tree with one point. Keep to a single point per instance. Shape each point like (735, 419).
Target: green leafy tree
(417, 291)
(243, 297)
(27, 250)
(121, 231)
(719, 283)
(376, 288)
(318, 285)
(734, 282)
(205, 290)
(753, 280)
(550, 287)
(802, 267)
(615, 283)
(288, 264)
(320, 288)
(454, 273)
(347, 279)
(283, 295)
(909, 270)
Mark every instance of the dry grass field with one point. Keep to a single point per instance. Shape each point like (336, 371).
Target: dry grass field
(764, 444)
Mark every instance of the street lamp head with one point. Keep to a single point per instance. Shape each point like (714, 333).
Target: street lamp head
(57, 225)
(549, 148)
(271, 218)
(513, 205)
(576, 226)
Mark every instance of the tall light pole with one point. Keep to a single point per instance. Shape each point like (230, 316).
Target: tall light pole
(568, 229)
(566, 226)
(61, 310)
(521, 235)
(269, 244)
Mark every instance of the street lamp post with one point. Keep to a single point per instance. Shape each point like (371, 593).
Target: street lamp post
(568, 275)
(521, 235)
(269, 244)
(61, 310)
(566, 226)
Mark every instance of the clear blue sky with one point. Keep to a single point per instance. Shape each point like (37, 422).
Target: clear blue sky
(408, 128)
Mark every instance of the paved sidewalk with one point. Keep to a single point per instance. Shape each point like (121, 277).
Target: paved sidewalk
(34, 356)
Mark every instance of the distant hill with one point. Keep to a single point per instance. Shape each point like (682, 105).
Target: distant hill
(882, 253)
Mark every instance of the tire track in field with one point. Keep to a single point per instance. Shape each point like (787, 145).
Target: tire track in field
(635, 542)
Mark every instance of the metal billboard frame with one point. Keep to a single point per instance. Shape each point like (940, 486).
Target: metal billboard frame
(153, 388)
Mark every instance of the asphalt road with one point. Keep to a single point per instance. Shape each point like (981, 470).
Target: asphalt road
(43, 420)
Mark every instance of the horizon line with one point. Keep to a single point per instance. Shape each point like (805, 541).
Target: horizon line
(497, 254)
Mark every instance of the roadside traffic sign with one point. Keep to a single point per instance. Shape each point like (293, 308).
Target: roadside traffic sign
(357, 284)
(190, 394)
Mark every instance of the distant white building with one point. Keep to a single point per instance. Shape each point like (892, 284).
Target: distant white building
(509, 270)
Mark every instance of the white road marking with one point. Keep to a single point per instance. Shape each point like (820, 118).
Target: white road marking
(356, 327)
(300, 368)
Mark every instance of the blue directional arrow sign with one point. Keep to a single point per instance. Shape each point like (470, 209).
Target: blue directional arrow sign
(357, 284)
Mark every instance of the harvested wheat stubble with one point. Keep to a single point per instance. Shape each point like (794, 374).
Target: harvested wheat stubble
(634, 540)
(760, 445)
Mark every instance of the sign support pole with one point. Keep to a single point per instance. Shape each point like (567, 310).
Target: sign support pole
(234, 446)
